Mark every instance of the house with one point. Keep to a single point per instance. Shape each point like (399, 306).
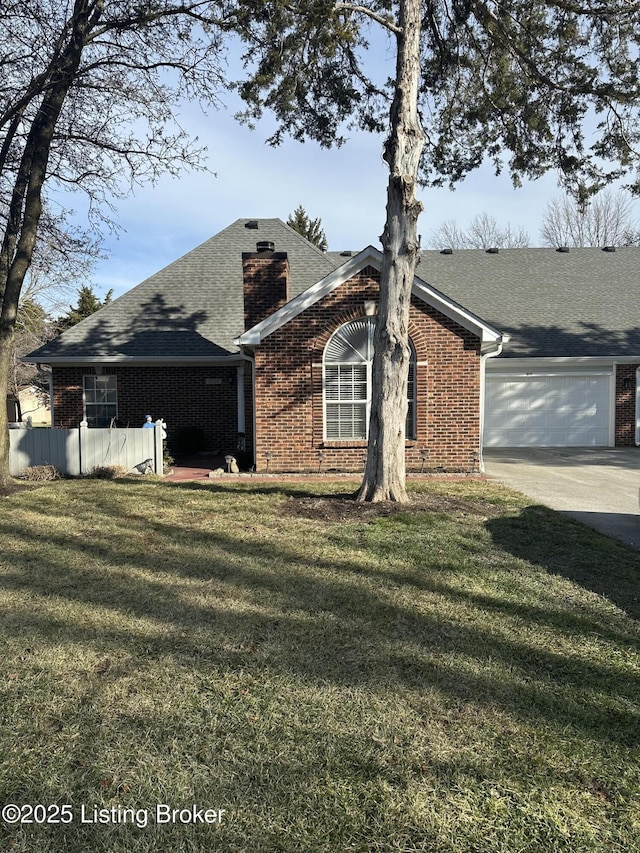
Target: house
(257, 341)
(34, 404)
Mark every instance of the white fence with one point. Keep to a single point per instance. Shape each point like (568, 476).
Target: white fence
(77, 451)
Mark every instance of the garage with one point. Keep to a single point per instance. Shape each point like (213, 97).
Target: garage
(548, 410)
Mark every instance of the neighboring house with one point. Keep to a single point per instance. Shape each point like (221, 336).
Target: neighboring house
(257, 339)
(34, 404)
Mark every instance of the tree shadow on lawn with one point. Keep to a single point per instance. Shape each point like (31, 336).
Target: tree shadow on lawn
(221, 606)
(573, 550)
(296, 611)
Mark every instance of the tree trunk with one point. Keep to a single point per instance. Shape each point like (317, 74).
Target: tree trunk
(385, 472)
(25, 210)
(5, 477)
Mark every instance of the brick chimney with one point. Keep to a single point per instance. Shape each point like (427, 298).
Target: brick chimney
(265, 275)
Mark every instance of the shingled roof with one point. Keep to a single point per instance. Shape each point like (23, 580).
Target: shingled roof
(583, 302)
(191, 309)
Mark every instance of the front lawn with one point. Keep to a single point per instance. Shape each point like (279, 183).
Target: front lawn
(460, 676)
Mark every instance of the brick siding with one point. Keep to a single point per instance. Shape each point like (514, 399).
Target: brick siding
(626, 405)
(266, 284)
(180, 395)
(289, 417)
(288, 368)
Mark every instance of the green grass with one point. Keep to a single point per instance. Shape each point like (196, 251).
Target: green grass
(458, 677)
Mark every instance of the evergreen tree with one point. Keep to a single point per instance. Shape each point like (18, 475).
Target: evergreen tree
(512, 83)
(88, 303)
(309, 228)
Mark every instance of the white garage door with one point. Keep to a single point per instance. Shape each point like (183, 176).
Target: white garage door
(547, 411)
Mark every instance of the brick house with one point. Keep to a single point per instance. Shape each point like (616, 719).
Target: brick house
(258, 342)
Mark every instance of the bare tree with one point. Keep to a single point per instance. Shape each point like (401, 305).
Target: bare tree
(607, 219)
(33, 329)
(88, 90)
(483, 233)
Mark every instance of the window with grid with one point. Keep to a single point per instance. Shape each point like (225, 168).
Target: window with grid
(100, 400)
(347, 382)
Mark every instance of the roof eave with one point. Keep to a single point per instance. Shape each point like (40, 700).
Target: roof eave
(71, 361)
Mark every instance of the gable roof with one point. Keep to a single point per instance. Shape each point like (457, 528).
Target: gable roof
(192, 309)
(368, 257)
(581, 303)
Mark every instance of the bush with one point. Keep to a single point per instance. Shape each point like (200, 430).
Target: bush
(40, 473)
(107, 472)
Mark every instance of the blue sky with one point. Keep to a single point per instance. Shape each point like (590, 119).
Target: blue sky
(345, 187)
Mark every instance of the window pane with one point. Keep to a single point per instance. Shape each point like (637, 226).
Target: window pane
(346, 420)
(347, 380)
(352, 343)
(100, 397)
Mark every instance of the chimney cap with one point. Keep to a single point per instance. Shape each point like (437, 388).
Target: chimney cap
(265, 246)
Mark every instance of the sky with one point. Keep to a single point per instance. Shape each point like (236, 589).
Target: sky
(344, 187)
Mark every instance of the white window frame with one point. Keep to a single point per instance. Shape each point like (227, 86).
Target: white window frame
(366, 360)
(90, 383)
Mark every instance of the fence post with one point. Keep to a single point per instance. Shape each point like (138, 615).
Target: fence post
(158, 456)
(83, 431)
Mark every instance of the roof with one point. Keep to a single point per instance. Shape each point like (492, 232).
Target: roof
(585, 302)
(581, 303)
(192, 309)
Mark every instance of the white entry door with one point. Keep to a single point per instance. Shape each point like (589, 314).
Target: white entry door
(548, 410)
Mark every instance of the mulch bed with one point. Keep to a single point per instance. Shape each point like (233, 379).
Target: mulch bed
(345, 508)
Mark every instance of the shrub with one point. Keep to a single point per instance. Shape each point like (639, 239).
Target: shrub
(167, 460)
(40, 473)
(107, 472)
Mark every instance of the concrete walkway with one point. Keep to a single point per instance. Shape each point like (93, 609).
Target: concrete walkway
(599, 486)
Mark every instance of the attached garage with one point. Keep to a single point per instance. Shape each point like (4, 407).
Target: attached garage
(549, 410)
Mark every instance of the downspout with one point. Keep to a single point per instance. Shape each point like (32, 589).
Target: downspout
(637, 407)
(242, 423)
(483, 362)
(241, 407)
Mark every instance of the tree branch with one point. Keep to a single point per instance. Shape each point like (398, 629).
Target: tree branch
(384, 21)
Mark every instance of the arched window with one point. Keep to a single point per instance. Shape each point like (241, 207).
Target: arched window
(348, 357)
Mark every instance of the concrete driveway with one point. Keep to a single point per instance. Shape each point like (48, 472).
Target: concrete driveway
(599, 486)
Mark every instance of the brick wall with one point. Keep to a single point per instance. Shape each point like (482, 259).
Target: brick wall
(266, 284)
(180, 395)
(288, 375)
(626, 405)
(289, 416)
